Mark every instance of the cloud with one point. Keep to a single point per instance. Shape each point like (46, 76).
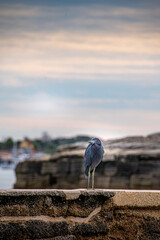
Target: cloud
(11, 82)
(20, 11)
(44, 103)
(64, 47)
(96, 122)
(79, 69)
(30, 105)
(63, 56)
(83, 15)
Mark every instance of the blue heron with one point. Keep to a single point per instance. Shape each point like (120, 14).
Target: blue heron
(93, 156)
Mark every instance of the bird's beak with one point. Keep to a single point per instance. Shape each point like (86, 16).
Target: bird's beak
(92, 141)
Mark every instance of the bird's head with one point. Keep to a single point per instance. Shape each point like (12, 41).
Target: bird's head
(95, 141)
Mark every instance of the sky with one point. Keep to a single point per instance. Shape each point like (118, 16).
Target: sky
(79, 67)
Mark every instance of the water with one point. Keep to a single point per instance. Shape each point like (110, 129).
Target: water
(7, 178)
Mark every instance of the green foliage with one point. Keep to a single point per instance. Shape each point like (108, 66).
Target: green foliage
(48, 147)
(8, 144)
(1, 145)
(51, 146)
(45, 146)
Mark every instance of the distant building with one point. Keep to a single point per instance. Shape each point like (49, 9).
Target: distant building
(46, 137)
(5, 156)
(27, 146)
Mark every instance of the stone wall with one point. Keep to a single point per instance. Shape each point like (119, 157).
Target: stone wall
(121, 168)
(79, 214)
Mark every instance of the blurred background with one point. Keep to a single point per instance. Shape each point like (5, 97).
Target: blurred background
(72, 70)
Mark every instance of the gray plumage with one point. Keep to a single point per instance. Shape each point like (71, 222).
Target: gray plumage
(93, 156)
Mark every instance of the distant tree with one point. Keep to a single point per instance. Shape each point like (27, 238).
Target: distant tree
(1, 145)
(37, 145)
(18, 143)
(8, 144)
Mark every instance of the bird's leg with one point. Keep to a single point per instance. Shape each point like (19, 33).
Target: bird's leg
(89, 177)
(93, 178)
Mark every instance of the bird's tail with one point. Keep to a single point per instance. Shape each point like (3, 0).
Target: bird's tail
(86, 172)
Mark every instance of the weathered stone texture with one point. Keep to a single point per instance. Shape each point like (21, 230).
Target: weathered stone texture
(126, 165)
(79, 214)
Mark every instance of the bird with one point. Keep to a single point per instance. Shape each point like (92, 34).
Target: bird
(93, 156)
